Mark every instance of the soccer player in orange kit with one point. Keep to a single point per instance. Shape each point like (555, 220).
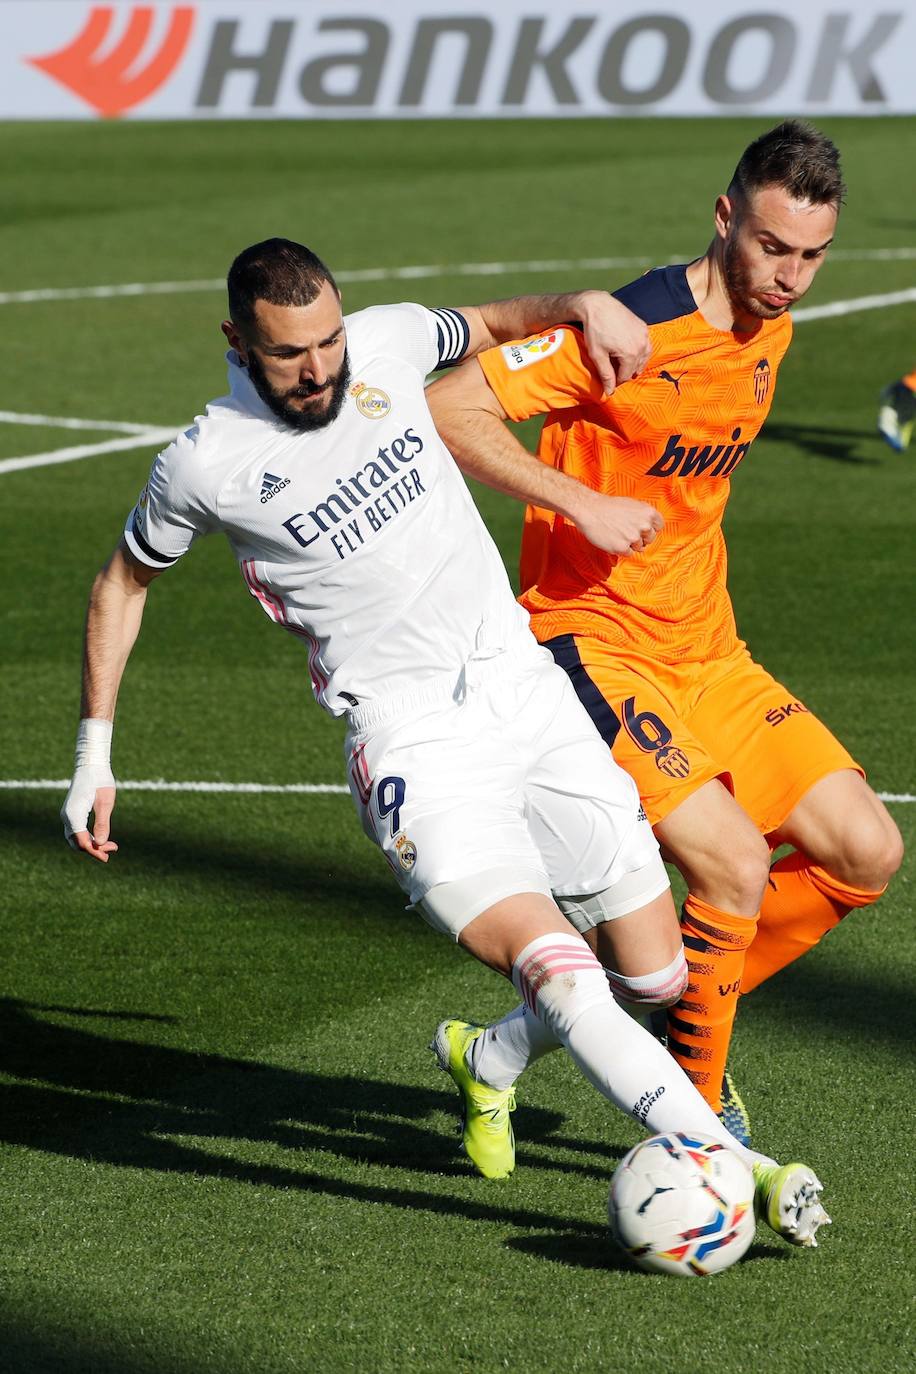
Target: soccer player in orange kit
(623, 572)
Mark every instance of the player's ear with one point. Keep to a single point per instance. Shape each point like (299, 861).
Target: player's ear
(235, 340)
(725, 215)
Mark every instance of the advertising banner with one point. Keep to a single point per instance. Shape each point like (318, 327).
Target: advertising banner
(329, 59)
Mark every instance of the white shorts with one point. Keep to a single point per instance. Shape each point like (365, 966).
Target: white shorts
(503, 772)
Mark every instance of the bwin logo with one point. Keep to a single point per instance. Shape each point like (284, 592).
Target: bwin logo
(718, 460)
(270, 485)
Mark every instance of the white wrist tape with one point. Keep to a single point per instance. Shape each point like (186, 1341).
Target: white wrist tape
(93, 743)
(91, 771)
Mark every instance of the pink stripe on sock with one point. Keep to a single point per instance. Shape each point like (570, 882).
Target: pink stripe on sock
(654, 994)
(567, 956)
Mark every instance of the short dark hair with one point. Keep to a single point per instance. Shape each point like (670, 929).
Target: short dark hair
(278, 271)
(796, 157)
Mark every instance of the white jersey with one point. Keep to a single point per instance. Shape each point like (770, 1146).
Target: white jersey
(361, 538)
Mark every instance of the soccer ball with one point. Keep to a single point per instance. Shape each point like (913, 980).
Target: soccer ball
(682, 1204)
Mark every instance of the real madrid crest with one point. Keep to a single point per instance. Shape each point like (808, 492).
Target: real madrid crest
(371, 401)
(406, 851)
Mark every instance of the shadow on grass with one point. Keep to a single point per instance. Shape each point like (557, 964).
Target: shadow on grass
(594, 1249)
(841, 445)
(588, 1248)
(853, 1005)
(298, 864)
(89, 1096)
(769, 1251)
(874, 1006)
(30, 1351)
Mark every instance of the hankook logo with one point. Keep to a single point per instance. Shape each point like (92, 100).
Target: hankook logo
(409, 58)
(113, 76)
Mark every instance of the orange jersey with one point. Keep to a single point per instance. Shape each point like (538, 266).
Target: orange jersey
(672, 437)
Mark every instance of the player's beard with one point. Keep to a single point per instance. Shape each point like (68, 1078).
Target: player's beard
(739, 287)
(280, 401)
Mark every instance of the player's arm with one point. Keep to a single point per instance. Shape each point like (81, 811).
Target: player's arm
(112, 624)
(617, 341)
(172, 511)
(471, 419)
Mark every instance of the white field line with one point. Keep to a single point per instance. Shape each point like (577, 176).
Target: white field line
(320, 788)
(150, 435)
(149, 438)
(20, 417)
(94, 293)
(852, 307)
(418, 272)
(160, 785)
(415, 272)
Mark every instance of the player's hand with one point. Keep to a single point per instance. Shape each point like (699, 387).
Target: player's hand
(617, 524)
(617, 340)
(92, 792)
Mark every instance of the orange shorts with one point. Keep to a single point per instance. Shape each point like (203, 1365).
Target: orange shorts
(675, 727)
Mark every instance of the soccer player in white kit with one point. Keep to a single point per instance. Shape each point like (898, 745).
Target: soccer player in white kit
(472, 763)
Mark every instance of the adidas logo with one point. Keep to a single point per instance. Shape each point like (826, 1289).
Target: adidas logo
(270, 485)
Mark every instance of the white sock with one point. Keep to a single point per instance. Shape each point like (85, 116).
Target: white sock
(651, 990)
(560, 978)
(508, 1046)
(505, 1050)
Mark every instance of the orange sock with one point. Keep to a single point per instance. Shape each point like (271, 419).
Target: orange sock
(700, 1025)
(801, 903)
(910, 380)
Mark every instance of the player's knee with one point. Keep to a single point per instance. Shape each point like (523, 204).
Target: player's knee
(662, 988)
(560, 979)
(871, 852)
(889, 853)
(667, 997)
(735, 878)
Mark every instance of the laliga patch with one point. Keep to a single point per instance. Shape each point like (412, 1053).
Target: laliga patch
(518, 355)
(371, 401)
(406, 851)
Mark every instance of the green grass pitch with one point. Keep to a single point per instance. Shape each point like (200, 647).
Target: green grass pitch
(223, 1145)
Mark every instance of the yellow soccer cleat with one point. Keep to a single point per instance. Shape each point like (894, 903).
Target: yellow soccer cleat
(787, 1198)
(487, 1135)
